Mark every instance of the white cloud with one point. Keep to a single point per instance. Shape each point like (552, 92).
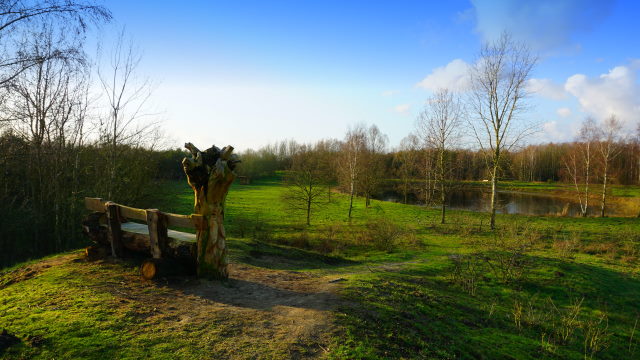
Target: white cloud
(453, 76)
(616, 92)
(556, 131)
(402, 109)
(564, 112)
(551, 131)
(546, 88)
(543, 24)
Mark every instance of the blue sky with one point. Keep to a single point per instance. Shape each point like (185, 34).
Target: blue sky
(248, 73)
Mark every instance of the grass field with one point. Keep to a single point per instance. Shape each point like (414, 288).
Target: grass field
(538, 287)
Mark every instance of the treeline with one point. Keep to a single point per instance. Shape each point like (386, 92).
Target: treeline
(361, 164)
(531, 163)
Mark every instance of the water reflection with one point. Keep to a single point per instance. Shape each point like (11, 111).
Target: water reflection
(510, 202)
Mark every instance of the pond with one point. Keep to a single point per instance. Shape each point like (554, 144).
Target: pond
(513, 202)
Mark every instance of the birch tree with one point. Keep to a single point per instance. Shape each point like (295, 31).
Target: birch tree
(440, 123)
(608, 150)
(351, 162)
(579, 162)
(497, 99)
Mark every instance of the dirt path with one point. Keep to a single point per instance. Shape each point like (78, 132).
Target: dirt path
(259, 313)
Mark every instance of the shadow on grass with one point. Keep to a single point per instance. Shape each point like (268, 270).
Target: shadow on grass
(417, 313)
(285, 290)
(277, 257)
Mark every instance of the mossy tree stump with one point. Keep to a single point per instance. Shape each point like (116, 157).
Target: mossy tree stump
(210, 174)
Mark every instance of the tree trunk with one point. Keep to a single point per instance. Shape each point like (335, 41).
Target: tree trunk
(443, 195)
(210, 174)
(351, 199)
(406, 191)
(586, 181)
(604, 193)
(443, 200)
(494, 188)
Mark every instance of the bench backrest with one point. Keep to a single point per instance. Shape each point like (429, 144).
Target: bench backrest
(193, 221)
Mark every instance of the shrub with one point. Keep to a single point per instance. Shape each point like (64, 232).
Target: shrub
(506, 252)
(383, 234)
(467, 271)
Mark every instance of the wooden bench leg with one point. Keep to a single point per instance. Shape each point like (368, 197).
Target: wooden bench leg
(115, 232)
(157, 223)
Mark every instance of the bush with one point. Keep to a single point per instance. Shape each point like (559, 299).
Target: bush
(383, 234)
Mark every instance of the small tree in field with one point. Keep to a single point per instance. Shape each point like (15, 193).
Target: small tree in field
(608, 150)
(351, 160)
(306, 182)
(373, 169)
(405, 160)
(440, 123)
(498, 90)
(579, 162)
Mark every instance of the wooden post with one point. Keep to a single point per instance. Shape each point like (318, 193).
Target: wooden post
(157, 223)
(115, 232)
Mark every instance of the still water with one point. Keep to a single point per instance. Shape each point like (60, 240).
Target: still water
(511, 202)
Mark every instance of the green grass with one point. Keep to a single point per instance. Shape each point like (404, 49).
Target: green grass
(400, 301)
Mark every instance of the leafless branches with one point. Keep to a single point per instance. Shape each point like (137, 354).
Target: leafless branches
(439, 124)
(126, 97)
(497, 98)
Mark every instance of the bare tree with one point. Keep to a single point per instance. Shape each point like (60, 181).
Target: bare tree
(46, 105)
(327, 151)
(372, 172)
(406, 162)
(352, 154)
(637, 151)
(18, 17)
(305, 181)
(579, 162)
(498, 92)
(426, 168)
(126, 96)
(440, 123)
(608, 149)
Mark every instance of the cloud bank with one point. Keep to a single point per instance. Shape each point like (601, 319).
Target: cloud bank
(543, 24)
(615, 92)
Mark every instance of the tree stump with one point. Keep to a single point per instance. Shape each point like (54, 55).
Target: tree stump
(210, 174)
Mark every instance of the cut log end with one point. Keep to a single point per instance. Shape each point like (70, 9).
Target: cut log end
(157, 268)
(149, 269)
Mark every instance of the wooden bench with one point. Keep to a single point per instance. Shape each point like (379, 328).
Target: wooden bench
(113, 225)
